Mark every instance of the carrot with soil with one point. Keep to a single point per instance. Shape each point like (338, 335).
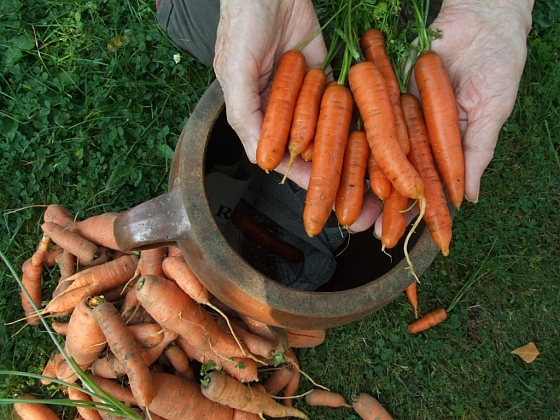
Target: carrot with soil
(277, 121)
(83, 249)
(368, 408)
(31, 278)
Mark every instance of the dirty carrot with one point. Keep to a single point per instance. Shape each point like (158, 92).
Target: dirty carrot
(368, 408)
(31, 278)
(277, 121)
(98, 229)
(306, 113)
(378, 181)
(33, 410)
(437, 215)
(147, 334)
(255, 344)
(71, 242)
(75, 394)
(249, 225)
(350, 193)
(151, 261)
(375, 50)
(393, 219)
(127, 350)
(324, 398)
(113, 388)
(280, 377)
(224, 389)
(328, 152)
(412, 296)
(291, 387)
(374, 103)
(440, 112)
(58, 214)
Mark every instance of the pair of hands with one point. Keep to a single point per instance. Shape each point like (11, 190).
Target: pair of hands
(483, 46)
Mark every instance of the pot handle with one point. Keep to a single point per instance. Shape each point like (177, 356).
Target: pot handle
(157, 222)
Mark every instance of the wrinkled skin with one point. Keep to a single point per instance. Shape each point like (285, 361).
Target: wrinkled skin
(483, 46)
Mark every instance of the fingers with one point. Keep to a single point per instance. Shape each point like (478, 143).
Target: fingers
(371, 209)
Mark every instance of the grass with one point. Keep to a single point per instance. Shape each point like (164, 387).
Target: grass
(95, 129)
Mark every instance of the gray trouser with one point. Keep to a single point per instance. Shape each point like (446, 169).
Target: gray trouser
(192, 24)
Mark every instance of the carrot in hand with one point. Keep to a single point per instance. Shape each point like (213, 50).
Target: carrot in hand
(224, 389)
(378, 181)
(306, 113)
(32, 271)
(393, 219)
(277, 121)
(328, 152)
(368, 408)
(442, 121)
(437, 215)
(350, 193)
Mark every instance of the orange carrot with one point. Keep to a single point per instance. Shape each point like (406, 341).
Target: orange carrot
(244, 415)
(151, 261)
(264, 237)
(350, 193)
(291, 387)
(174, 309)
(280, 377)
(306, 113)
(378, 181)
(305, 338)
(52, 256)
(412, 295)
(177, 358)
(98, 229)
(58, 214)
(328, 152)
(375, 50)
(32, 272)
(67, 263)
(60, 327)
(307, 153)
(437, 215)
(277, 121)
(71, 242)
(257, 345)
(86, 413)
(147, 334)
(394, 220)
(177, 398)
(368, 408)
(225, 390)
(374, 103)
(126, 349)
(93, 281)
(440, 112)
(324, 398)
(431, 319)
(117, 390)
(174, 251)
(33, 410)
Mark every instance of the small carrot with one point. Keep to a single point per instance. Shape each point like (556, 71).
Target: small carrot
(374, 103)
(442, 121)
(83, 249)
(394, 220)
(115, 389)
(324, 398)
(32, 272)
(264, 237)
(378, 181)
(437, 215)
(177, 358)
(368, 408)
(375, 50)
(328, 151)
(277, 121)
(225, 390)
(350, 193)
(292, 386)
(125, 347)
(33, 410)
(307, 153)
(75, 394)
(280, 377)
(306, 113)
(412, 295)
(431, 319)
(67, 263)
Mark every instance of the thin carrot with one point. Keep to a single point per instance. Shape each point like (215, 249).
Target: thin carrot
(306, 113)
(125, 347)
(440, 112)
(86, 413)
(324, 398)
(375, 50)
(32, 272)
(328, 152)
(115, 389)
(412, 295)
(280, 377)
(52, 256)
(71, 242)
(437, 215)
(292, 386)
(394, 220)
(33, 410)
(431, 319)
(373, 100)
(67, 263)
(378, 181)
(350, 193)
(368, 408)
(93, 281)
(256, 344)
(229, 392)
(284, 91)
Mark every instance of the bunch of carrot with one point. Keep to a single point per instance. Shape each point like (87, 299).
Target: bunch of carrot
(145, 330)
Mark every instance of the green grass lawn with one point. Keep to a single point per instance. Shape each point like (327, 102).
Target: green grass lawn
(94, 128)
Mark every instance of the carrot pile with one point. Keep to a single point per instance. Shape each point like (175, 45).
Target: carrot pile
(145, 330)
